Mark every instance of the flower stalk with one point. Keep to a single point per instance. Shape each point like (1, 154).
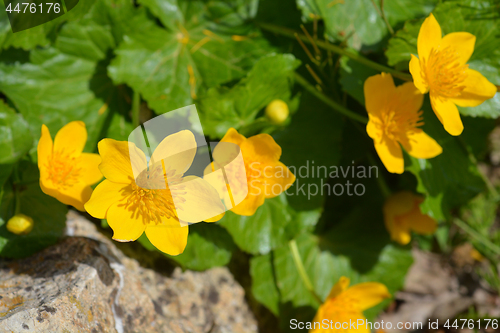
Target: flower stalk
(336, 49)
(302, 271)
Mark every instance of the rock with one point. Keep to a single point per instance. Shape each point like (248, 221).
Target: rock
(88, 285)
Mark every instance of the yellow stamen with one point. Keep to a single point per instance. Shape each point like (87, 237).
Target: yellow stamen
(444, 73)
(63, 170)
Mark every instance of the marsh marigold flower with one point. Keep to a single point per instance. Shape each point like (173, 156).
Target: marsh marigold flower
(153, 200)
(394, 118)
(346, 303)
(266, 177)
(441, 70)
(402, 215)
(20, 224)
(66, 173)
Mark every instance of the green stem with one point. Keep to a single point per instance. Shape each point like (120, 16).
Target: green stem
(324, 45)
(384, 188)
(337, 107)
(474, 234)
(136, 105)
(302, 270)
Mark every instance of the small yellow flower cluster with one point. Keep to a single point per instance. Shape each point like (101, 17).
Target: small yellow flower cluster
(132, 207)
(394, 112)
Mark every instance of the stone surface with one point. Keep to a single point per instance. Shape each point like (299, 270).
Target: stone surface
(85, 284)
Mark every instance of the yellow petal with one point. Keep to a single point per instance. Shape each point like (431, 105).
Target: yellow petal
(339, 287)
(416, 73)
(367, 294)
(462, 43)
(399, 203)
(409, 98)
(429, 36)
(420, 145)
(277, 179)
(90, 168)
(104, 196)
(233, 136)
(168, 238)
(44, 152)
(127, 225)
(391, 155)
(477, 90)
(198, 200)
(396, 206)
(371, 128)
(76, 195)
(117, 164)
(254, 199)
(177, 151)
(71, 138)
(400, 231)
(262, 148)
(378, 90)
(448, 115)
(216, 218)
(421, 223)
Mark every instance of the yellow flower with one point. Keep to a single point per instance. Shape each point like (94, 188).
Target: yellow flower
(66, 173)
(20, 224)
(402, 214)
(441, 70)
(277, 111)
(394, 118)
(159, 200)
(344, 304)
(265, 176)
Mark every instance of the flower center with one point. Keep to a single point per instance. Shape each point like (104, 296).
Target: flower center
(396, 124)
(152, 198)
(444, 73)
(63, 169)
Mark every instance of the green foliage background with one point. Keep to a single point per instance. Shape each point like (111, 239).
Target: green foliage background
(90, 63)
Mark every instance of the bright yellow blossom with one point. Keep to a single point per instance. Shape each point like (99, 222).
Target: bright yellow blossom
(346, 303)
(20, 224)
(159, 200)
(441, 70)
(266, 176)
(66, 173)
(402, 214)
(394, 118)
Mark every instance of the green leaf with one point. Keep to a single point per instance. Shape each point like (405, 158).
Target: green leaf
(447, 180)
(324, 269)
(474, 16)
(360, 22)
(264, 282)
(222, 108)
(67, 82)
(310, 144)
(15, 139)
(171, 67)
(48, 214)
(263, 231)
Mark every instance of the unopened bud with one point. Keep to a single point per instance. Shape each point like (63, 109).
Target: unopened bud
(277, 111)
(20, 224)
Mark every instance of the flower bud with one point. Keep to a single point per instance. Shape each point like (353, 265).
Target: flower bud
(277, 111)
(20, 224)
